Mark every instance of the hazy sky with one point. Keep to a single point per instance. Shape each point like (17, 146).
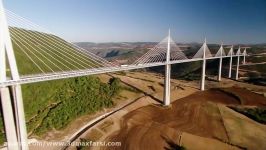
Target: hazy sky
(230, 21)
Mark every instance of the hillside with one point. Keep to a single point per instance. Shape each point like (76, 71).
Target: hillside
(52, 105)
(38, 52)
(199, 121)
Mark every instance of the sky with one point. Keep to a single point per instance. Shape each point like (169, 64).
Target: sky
(227, 21)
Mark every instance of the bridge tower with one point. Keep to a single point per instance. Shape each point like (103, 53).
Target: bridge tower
(244, 54)
(167, 78)
(203, 74)
(237, 65)
(220, 63)
(231, 59)
(12, 106)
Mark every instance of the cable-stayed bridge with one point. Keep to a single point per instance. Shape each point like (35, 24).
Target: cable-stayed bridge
(29, 54)
(49, 57)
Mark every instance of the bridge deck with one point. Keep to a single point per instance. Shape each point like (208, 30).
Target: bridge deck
(68, 74)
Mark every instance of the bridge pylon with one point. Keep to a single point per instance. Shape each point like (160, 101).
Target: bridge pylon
(231, 59)
(221, 54)
(238, 59)
(13, 112)
(203, 73)
(244, 56)
(167, 78)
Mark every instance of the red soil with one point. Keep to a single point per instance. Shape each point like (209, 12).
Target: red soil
(155, 127)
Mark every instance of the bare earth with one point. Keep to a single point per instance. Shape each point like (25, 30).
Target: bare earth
(195, 116)
(195, 120)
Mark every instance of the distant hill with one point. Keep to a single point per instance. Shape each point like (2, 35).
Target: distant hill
(125, 52)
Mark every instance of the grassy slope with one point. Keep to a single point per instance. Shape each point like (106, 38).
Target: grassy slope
(46, 47)
(40, 98)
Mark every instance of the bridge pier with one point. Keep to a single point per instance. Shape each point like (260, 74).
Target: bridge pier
(220, 69)
(220, 64)
(237, 65)
(8, 117)
(20, 116)
(203, 73)
(13, 113)
(167, 78)
(167, 85)
(230, 64)
(244, 54)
